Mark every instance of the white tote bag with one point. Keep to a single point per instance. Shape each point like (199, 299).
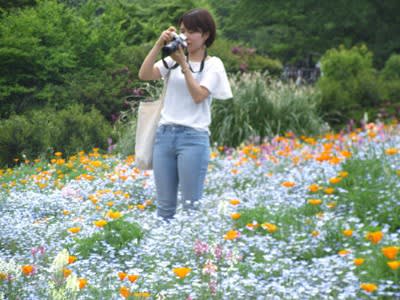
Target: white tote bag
(147, 121)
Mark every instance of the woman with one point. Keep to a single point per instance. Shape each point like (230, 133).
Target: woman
(182, 148)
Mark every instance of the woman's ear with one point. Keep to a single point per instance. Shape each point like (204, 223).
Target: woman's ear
(205, 35)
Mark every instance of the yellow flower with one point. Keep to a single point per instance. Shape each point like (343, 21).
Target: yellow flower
(347, 232)
(132, 278)
(314, 201)
(288, 184)
(346, 154)
(369, 287)
(124, 291)
(122, 275)
(315, 233)
(234, 201)
(391, 151)
(343, 174)
(358, 261)
(3, 276)
(72, 259)
(58, 154)
(231, 235)
(96, 163)
(181, 272)
(66, 272)
(329, 191)
(141, 294)
(114, 214)
(141, 206)
(27, 269)
(74, 229)
(344, 252)
(269, 227)
(390, 252)
(374, 237)
(335, 180)
(394, 265)
(235, 216)
(82, 282)
(100, 223)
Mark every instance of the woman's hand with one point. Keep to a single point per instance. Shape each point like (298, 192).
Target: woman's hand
(179, 56)
(166, 36)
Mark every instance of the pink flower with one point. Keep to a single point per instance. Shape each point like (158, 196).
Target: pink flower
(218, 252)
(200, 247)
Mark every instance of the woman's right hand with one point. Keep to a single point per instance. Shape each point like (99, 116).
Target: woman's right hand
(166, 36)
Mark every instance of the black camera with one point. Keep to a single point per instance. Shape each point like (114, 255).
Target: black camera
(172, 46)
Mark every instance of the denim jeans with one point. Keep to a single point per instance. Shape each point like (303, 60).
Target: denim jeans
(180, 159)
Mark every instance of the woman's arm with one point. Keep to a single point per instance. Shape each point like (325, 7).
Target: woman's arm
(198, 92)
(147, 70)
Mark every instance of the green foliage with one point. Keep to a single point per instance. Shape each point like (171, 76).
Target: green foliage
(117, 234)
(78, 130)
(39, 132)
(238, 58)
(390, 79)
(294, 30)
(348, 85)
(264, 107)
(23, 137)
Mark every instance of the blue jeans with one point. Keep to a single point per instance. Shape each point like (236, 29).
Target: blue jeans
(180, 159)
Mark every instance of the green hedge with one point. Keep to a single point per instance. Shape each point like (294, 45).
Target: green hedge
(42, 132)
(349, 84)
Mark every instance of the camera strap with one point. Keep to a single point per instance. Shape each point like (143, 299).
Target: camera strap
(187, 60)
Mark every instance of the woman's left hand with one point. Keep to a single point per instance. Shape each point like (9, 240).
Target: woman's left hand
(179, 56)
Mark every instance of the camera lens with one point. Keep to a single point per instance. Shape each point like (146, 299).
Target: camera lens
(169, 48)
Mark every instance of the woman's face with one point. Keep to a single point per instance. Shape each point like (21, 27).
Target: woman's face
(195, 39)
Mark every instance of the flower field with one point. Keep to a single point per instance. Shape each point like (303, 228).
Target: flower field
(293, 218)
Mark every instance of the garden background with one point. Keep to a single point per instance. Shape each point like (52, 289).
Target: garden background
(302, 196)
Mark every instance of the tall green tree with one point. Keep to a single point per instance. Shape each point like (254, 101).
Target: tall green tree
(293, 30)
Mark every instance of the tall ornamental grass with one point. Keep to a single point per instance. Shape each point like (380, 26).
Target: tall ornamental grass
(263, 107)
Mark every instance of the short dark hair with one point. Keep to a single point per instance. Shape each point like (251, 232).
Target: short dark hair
(200, 20)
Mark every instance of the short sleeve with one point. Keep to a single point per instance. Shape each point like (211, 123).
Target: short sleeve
(160, 65)
(215, 80)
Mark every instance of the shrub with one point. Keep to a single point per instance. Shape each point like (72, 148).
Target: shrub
(238, 58)
(21, 138)
(41, 132)
(76, 130)
(390, 81)
(261, 107)
(349, 84)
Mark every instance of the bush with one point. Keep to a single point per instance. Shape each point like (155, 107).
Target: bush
(41, 132)
(21, 138)
(264, 107)
(390, 79)
(76, 130)
(349, 84)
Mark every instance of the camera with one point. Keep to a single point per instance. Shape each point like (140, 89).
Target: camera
(171, 47)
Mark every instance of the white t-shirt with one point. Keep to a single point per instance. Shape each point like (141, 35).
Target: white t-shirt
(179, 107)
